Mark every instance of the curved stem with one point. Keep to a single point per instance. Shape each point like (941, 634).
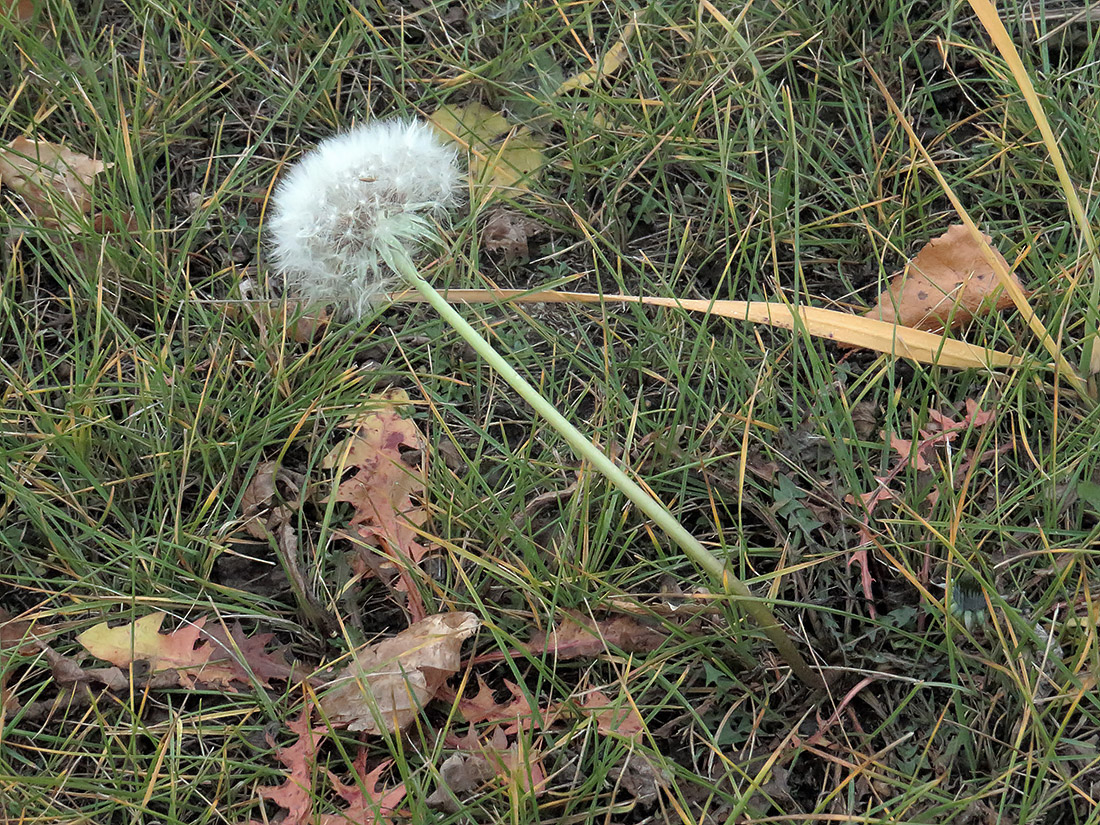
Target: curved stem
(398, 258)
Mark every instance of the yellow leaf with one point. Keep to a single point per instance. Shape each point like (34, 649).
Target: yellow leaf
(496, 164)
(606, 65)
(513, 165)
(143, 640)
(842, 327)
(469, 124)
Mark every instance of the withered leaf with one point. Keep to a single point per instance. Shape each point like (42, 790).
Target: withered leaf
(517, 712)
(620, 721)
(295, 794)
(507, 231)
(578, 635)
(500, 157)
(143, 641)
(196, 654)
(53, 179)
(390, 681)
(947, 284)
(261, 517)
(366, 803)
(383, 487)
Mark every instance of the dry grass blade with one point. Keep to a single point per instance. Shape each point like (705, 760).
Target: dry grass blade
(1011, 287)
(904, 342)
(987, 13)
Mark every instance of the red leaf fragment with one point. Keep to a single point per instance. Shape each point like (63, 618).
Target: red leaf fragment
(579, 635)
(366, 804)
(296, 791)
(620, 721)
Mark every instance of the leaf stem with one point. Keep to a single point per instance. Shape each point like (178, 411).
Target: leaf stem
(398, 258)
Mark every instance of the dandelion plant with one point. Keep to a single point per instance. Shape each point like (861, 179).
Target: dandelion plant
(348, 218)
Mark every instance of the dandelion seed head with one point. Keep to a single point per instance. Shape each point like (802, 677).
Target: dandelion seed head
(356, 193)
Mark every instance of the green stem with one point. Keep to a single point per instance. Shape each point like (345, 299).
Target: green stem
(398, 258)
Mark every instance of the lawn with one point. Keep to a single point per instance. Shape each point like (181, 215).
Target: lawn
(184, 444)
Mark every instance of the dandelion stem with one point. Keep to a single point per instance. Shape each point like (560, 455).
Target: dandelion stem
(398, 258)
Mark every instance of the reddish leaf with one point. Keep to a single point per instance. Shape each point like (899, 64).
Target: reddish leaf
(578, 635)
(621, 721)
(296, 793)
(383, 486)
(224, 666)
(366, 804)
(516, 712)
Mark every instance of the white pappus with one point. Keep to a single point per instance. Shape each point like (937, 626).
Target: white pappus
(344, 202)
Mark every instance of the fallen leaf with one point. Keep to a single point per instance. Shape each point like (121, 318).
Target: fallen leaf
(261, 519)
(213, 657)
(237, 657)
(946, 285)
(298, 322)
(470, 123)
(500, 156)
(21, 10)
(507, 232)
(366, 804)
(516, 714)
(55, 181)
(460, 775)
(383, 486)
(295, 794)
(14, 636)
(390, 681)
(638, 776)
(142, 641)
(621, 721)
(578, 635)
(607, 65)
(513, 164)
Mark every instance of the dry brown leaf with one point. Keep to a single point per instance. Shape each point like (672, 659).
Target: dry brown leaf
(297, 321)
(15, 636)
(261, 518)
(390, 681)
(946, 285)
(459, 776)
(54, 181)
(578, 635)
(384, 485)
(507, 231)
(21, 11)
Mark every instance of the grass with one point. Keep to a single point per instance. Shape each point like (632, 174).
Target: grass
(741, 156)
